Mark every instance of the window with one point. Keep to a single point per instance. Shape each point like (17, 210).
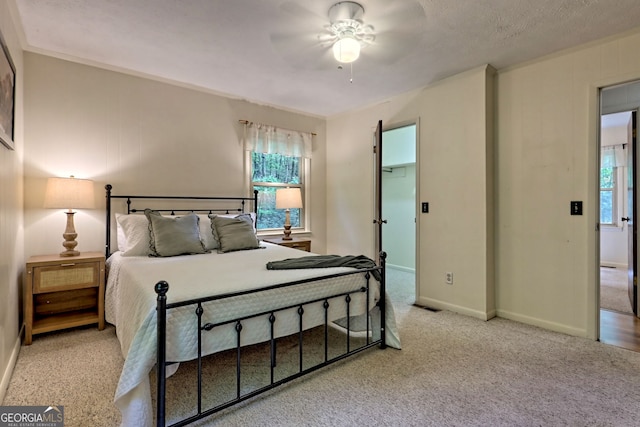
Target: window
(277, 158)
(270, 172)
(613, 162)
(608, 189)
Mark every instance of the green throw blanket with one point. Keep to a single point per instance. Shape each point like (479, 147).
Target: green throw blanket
(326, 261)
(357, 323)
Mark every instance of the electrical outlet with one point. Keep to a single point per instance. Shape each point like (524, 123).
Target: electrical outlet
(449, 278)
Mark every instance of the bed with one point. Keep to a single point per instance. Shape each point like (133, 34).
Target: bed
(175, 308)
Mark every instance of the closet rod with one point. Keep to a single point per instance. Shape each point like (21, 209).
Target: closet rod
(246, 122)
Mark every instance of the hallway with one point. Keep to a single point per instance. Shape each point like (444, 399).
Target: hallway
(620, 330)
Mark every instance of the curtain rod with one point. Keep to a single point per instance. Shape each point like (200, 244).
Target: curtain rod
(246, 122)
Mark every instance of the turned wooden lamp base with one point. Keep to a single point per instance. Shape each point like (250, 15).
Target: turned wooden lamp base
(70, 237)
(287, 226)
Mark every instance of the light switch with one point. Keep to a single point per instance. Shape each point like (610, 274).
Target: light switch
(576, 208)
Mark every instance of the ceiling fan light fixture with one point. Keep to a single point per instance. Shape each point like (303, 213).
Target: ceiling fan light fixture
(346, 49)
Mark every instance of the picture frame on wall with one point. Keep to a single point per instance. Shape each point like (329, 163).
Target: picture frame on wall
(7, 95)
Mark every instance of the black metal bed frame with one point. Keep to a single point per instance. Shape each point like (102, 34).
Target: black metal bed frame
(162, 288)
(242, 202)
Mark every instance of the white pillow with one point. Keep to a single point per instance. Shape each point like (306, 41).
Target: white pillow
(121, 238)
(135, 235)
(206, 235)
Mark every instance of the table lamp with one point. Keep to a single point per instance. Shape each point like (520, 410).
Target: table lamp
(69, 193)
(288, 198)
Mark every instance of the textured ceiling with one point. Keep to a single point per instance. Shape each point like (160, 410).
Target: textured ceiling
(267, 51)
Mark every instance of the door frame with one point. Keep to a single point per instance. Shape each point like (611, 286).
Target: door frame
(396, 125)
(632, 230)
(597, 102)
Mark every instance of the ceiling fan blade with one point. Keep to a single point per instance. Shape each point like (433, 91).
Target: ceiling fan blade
(294, 42)
(301, 35)
(393, 14)
(396, 15)
(294, 13)
(398, 27)
(312, 60)
(391, 46)
(302, 50)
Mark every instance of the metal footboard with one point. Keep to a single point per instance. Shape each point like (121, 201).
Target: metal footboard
(270, 316)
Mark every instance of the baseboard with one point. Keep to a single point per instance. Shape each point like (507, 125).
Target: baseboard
(6, 376)
(441, 305)
(613, 265)
(401, 268)
(552, 326)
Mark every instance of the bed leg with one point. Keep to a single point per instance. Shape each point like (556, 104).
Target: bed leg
(107, 248)
(383, 300)
(161, 289)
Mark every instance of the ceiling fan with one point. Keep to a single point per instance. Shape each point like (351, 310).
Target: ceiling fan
(347, 33)
(320, 35)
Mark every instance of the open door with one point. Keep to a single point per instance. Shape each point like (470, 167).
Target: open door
(378, 221)
(632, 209)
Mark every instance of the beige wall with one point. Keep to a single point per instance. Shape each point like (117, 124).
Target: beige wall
(515, 197)
(454, 176)
(141, 136)
(11, 219)
(547, 152)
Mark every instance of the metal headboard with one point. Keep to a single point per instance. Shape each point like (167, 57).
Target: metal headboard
(241, 201)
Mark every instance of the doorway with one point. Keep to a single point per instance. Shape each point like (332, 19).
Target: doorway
(399, 179)
(617, 232)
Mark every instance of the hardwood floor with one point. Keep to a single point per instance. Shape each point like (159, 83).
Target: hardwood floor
(620, 329)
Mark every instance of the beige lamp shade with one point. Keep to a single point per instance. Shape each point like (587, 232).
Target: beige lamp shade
(288, 198)
(69, 193)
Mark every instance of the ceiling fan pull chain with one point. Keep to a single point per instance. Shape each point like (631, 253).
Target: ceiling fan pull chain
(351, 79)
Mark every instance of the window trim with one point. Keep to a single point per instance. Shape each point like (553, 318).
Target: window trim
(304, 185)
(618, 199)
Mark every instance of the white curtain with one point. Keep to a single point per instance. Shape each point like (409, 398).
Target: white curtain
(272, 140)
(613, 156)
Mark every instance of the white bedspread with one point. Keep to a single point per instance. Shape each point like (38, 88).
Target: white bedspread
(131, 300)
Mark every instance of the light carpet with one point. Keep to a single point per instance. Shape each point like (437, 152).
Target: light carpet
(453, 370)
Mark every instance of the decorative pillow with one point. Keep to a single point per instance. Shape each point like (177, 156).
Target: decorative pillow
(208, 232)
(133, 234)
(170, 236)
(234, 234)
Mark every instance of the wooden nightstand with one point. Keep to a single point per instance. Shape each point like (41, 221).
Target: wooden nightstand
(297, 243)
(63, 292)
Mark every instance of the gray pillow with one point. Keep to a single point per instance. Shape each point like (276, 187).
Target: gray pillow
(214, 233)
(234, 234)
(170, 236)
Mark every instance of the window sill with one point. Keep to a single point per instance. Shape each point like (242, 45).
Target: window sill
(611, 228)
(273, 233)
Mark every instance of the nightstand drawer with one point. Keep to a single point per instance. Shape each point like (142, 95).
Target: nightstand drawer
(294, 242)
(303, 246)
(65, 301)
(66, 276)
